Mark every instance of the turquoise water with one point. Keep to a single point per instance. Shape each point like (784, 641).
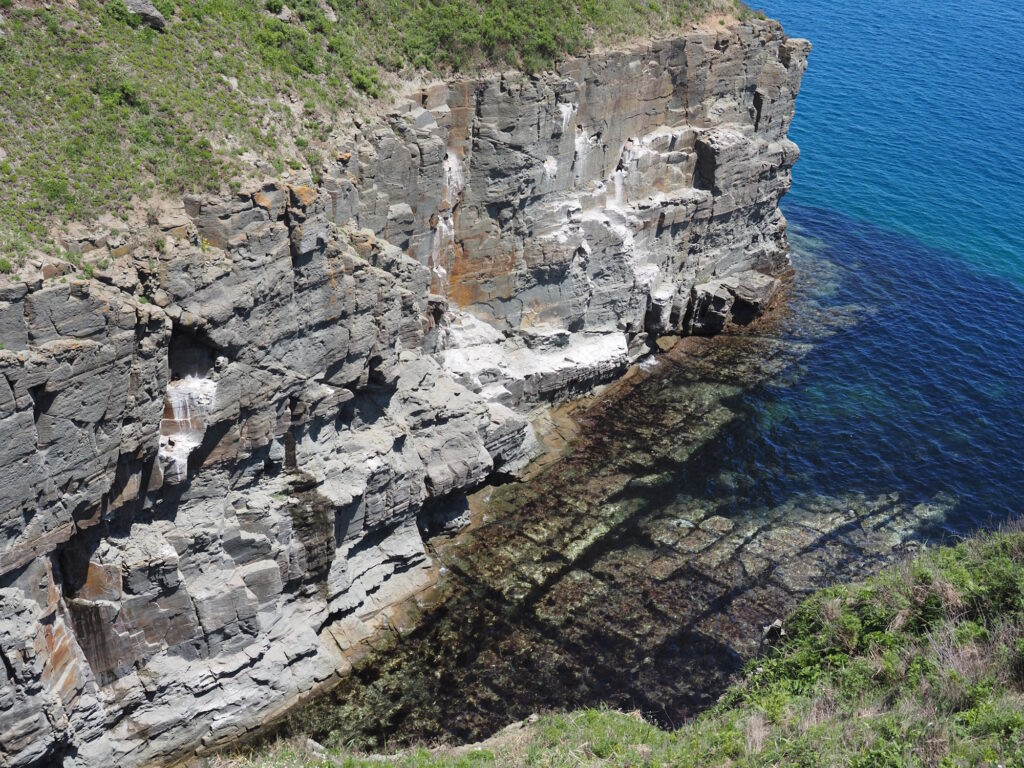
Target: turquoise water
(912, 118)
(910, 188)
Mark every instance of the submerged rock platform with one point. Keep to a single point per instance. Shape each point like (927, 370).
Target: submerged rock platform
(216, 454)
(606, 579)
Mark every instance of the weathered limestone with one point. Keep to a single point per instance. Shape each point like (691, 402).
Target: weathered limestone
(214, 455)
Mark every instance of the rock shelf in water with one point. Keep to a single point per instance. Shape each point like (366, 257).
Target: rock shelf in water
(603, 580)
(370, 344)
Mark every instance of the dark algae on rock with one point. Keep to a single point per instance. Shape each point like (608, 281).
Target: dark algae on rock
(605, 579)
(225, 417)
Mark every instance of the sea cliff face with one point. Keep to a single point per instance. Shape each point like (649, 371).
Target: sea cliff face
(218, 455)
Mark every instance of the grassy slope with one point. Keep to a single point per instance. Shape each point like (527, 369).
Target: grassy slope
(920, 666)
(97, 109)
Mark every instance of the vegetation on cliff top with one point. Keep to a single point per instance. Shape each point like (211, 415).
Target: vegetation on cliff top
(99, 111)
(922, 665)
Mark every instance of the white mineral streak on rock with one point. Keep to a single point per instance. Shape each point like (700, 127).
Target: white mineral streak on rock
(441, 249)
(568, 111)
(617, 200)
(454, 179)
(212, 606)
(560, 361)
(582, 147)
(442, 245)
(189, 401)
(465, 330)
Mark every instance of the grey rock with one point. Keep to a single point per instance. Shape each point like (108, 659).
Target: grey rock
(739, 298)
(710, 306)
(206, 506)
(148, 13)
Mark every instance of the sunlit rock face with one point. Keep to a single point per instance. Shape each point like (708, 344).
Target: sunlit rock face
(577, 211)
(209, 497)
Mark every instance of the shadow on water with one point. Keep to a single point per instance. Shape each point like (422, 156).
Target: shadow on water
(708, 493)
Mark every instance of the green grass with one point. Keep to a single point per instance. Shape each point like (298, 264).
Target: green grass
(99, 112)
(922, 665)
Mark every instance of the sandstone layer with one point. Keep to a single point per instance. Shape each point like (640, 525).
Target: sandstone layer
(217, 456)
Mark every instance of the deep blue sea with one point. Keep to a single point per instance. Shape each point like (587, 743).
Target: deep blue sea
(912, 118)
(909, 194)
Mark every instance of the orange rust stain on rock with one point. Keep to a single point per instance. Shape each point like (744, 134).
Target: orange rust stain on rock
(101, 583)
(263, 200)
(477, 280)
(302, 196)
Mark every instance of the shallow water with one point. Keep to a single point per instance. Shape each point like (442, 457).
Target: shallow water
(702, 499)
(712, 490)
(924, 394)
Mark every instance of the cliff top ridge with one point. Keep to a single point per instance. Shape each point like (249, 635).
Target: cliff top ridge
(106, 107)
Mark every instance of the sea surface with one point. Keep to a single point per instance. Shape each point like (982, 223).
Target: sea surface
(881, 411)
(911, 117)
(911, 183)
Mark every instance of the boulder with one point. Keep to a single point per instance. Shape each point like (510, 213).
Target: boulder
(148, 13)
(739, 299)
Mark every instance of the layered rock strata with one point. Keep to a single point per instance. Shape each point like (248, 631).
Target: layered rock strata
(217, 454)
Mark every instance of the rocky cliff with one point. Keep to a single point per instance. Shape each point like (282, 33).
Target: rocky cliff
(219, 454)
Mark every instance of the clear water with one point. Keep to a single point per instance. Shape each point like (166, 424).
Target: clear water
(911, 184)
(921, 393)
(890, 408)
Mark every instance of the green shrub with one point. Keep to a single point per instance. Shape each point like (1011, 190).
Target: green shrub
(54, 189)
(6, 267)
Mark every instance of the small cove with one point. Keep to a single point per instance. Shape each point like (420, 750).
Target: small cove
(705, 496)
(881, 411)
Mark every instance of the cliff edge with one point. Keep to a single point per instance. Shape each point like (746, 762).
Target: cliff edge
(220, 451)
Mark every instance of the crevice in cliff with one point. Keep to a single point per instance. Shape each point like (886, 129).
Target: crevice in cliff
(704, 170)
(41, 401)
(444, 515)
(290, 459)
(8, 667)
(91, 598)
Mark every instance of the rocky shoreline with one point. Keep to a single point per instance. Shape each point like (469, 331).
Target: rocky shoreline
(220, 443)
(604, 580)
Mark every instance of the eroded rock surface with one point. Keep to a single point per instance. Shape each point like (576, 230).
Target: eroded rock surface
(613, 577)
(213, 456)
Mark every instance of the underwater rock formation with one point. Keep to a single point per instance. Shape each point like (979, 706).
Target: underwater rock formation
(215, 455)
